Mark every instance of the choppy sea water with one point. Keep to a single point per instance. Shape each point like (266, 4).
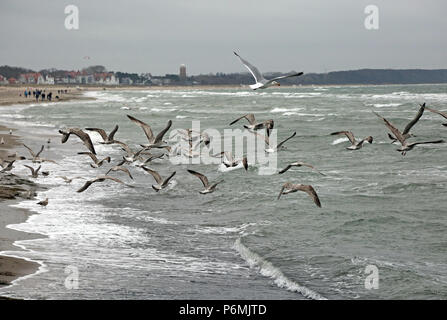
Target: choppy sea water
(379, 208)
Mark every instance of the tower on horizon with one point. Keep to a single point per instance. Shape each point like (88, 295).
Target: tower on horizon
(182, 73)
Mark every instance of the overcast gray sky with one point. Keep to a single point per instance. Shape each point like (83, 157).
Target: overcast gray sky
(275, 35)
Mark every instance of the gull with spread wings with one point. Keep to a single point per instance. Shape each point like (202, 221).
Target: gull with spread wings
(261, 82)
(403, 141)
(154, 141)
(106, 139)
(161, 183)
(81, 135)
(291, 187)
(406, 133)
(270, 148)
(355, 144)
(208, 187)
(250, 117)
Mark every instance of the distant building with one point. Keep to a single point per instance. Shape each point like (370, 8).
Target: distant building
(3, 80)
(49, 79)
(12, 80)
(31, 78)
(182, 73)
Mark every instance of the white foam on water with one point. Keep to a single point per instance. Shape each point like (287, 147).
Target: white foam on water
(384, 105)
(267, 269)
(278, 110)
(224, 168)
(339, 140)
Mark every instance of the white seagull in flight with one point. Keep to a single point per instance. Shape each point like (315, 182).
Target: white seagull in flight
(261, 82)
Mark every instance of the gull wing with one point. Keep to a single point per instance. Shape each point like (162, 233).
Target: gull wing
(253, 70)
(112, 133)
(30, 151)
(443, 114)
(91, 155)
(415, 120)
(426, 142)
(285, 169)
(348, 134)
(284, 141)
(100, 131)
(311, 192)
(393, 129)
(146, 128)
(85, 138)
(159, 136)
(40, 151)
(250, 118)
(285, 76)
(202, 178)
(155, 174)
(165, 183)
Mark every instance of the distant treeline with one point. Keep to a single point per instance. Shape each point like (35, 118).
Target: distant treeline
(363, 76)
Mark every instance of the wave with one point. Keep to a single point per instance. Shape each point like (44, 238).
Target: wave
(267, 269)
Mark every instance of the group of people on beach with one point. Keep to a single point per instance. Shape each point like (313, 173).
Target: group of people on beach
(38, 93)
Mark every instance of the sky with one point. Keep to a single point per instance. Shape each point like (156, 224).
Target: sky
(280, 35)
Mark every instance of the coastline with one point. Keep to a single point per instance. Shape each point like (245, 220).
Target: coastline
(12, 188)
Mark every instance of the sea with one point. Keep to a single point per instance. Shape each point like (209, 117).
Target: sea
(381, 232)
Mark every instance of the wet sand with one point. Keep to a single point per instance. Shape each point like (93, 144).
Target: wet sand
(13, 187)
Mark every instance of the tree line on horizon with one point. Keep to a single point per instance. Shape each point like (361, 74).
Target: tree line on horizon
(362, 76)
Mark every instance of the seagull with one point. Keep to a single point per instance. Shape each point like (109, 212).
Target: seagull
(43, 203)
(355, 145)
(131, 156)
(81, 134)
(261, 82)
(120, 168)
(68, 180)
(255, 126)
(443, 114)
(107, 139)
(403, 141)
(291, 187)
(98, 179)
(299, 164)
(406, 133)
(270, 148)
(35, 156)
(154, 142)
(161, 184)
(34, 172)
(229, 160)
(9, 167)
(192, 135)
(208, 187)
(95, 159)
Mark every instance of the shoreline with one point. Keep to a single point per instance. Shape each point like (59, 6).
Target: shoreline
(13, 94)
(12, 189)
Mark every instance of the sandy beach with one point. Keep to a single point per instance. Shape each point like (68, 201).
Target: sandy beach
(11, 188)
(10, 95)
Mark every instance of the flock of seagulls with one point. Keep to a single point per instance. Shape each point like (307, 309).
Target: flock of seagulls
(143, 155)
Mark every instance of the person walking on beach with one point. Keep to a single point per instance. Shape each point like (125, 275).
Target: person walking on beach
(43, 96)
(26, 94)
